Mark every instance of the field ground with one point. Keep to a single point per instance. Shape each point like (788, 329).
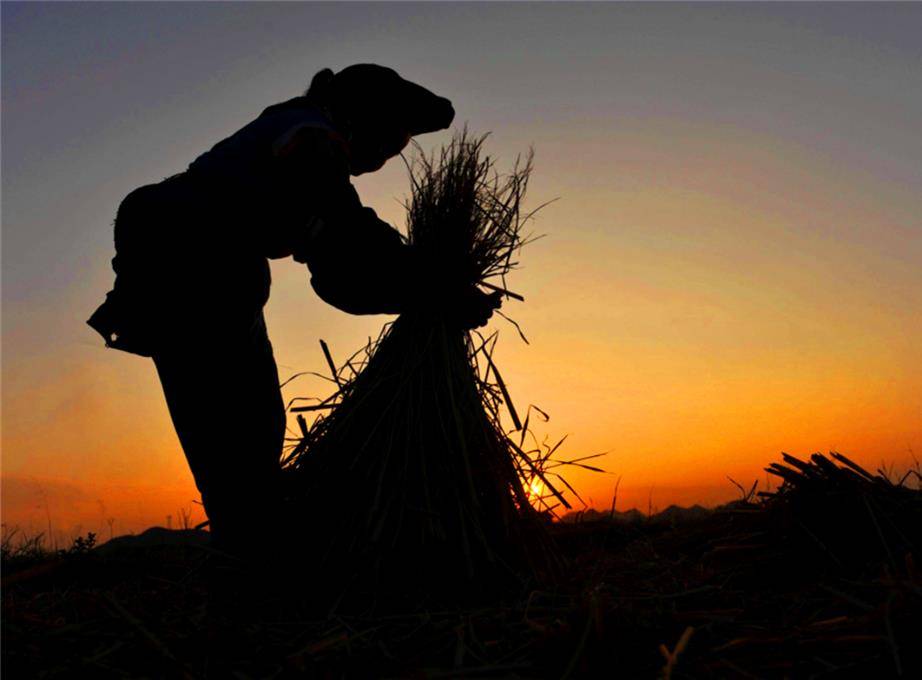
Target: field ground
(819, 580)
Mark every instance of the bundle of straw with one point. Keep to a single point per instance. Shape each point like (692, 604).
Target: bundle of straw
(412, 487)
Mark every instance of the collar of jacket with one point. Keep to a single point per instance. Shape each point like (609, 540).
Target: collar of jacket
(315, 116)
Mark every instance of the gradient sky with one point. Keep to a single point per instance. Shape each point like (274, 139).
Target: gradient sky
(733, 269)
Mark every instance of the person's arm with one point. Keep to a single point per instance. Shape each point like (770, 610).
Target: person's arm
(358, 263)
(361, 265)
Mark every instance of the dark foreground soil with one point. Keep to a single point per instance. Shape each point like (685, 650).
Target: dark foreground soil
(820, 580)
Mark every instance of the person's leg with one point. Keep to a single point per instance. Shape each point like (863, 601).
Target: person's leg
(224, 399)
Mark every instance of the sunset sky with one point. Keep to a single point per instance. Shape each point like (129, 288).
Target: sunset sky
(733, 267)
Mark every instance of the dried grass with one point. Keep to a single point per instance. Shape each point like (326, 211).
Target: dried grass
(412, 489)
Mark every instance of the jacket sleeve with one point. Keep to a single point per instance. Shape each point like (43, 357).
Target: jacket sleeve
(358, 263)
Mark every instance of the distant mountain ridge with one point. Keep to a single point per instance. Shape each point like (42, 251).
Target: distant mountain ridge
(672, 515)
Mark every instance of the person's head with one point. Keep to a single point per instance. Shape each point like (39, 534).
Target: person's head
(378, 111)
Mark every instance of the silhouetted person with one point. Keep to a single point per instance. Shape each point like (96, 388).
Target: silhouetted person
(192, 274)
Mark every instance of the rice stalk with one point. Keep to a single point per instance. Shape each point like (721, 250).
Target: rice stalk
(406, 478)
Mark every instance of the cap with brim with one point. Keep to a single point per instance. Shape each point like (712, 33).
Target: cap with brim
(423, 110)
(396, 98)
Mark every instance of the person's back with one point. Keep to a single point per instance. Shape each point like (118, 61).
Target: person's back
(192, 249)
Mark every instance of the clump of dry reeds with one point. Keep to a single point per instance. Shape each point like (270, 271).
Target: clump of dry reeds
(412, 489)
(850, 516)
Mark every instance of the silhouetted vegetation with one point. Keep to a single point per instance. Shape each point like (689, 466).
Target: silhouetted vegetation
(816, 579)
(18, 551)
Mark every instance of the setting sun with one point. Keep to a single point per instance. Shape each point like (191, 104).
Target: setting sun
(536, 491)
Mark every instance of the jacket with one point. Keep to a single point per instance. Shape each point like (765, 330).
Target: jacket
(193, 249)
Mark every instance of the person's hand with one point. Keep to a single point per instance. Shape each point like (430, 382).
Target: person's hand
(474, 308)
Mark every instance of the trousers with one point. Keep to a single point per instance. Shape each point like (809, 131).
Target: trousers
(222, 389)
